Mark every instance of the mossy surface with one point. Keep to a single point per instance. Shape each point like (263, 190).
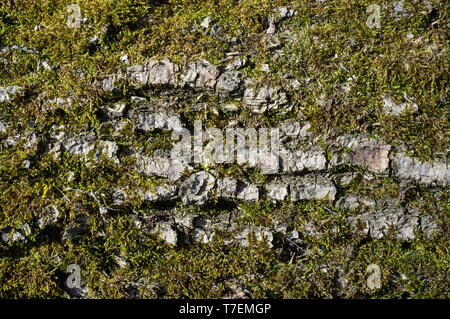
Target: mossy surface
(323, 46)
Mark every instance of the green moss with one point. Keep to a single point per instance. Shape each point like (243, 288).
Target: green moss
(323, 46)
